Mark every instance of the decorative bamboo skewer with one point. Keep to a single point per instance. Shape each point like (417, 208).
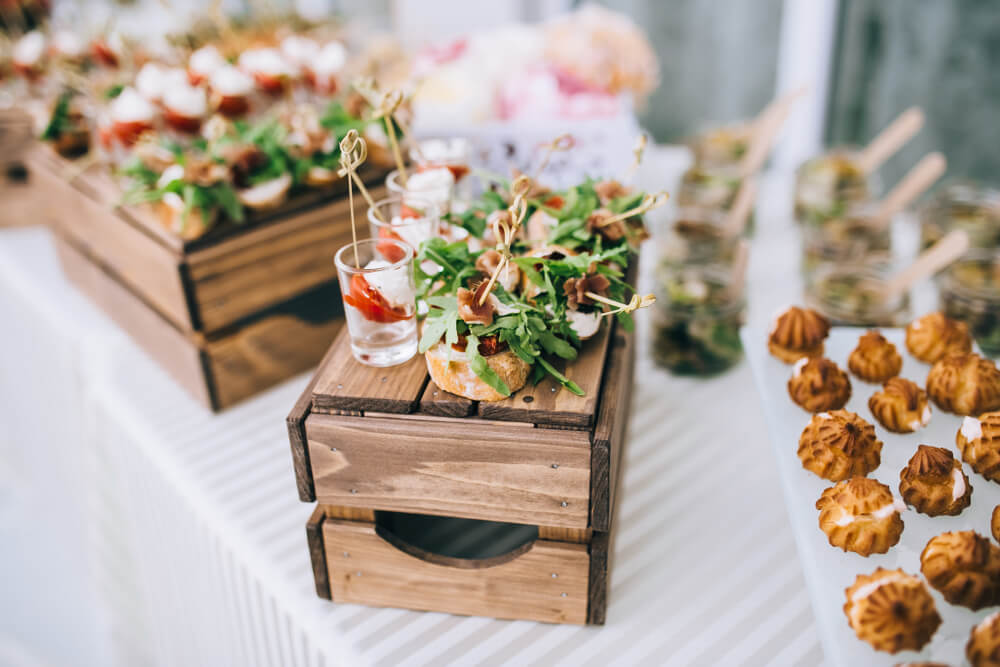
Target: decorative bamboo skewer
(890, 140)
(563, 142)
(637, 152)
(941, 254)
(916, 181)
(739, 212)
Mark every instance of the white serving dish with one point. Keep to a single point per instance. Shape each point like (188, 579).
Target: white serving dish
(828, 570)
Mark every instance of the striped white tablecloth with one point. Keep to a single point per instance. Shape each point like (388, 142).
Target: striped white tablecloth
(195, 540)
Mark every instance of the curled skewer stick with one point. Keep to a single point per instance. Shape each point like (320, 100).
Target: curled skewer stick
(635, 303)
(386, 110)
(353, 152)
(505, 231)
(649, 202)
(563, 142)
(637, 152)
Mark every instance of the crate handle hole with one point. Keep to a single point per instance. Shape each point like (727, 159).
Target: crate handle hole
(460, 543)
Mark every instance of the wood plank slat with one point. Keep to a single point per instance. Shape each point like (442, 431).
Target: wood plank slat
(343, 383)
(547, 403)
(440, 403)
(365, 569)
(317, 552)
(490, 472)
(609, 429)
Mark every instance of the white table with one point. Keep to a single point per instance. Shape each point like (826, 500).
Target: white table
(194, 539)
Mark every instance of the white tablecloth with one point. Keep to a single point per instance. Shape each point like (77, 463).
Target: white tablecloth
(180, 540)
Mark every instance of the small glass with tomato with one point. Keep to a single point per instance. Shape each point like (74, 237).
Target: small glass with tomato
(379, 300)
(410, 220)
(435, 184)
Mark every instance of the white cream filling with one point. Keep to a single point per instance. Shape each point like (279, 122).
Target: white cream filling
(68, 44)
(229, 81)
(29, 49)
(972, 428)
(925, 419)
(174, 172)
(149, 82)
(393, 285)
(883, 512)
(266, 193)
(957, 485)
(186, 101)
(584, 324)
(799, 365)
(434, 185)
(445, 151)
(329, 61)
(269, 62)
(863, 592)
(206, 61)
(300, 50)
(916, 325)
(987, 622)
(824, 415)
(131, 107)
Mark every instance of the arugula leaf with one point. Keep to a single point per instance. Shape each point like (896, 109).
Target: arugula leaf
(59, 122)
(560, 378)
(479, 366)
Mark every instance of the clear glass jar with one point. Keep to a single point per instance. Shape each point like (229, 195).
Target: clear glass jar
(711, 187)
(974, 208)
(969, 290)
(852, 295)
(697, 319)
(830, 185)
(697, 235)
(721, 145)
(852, 239)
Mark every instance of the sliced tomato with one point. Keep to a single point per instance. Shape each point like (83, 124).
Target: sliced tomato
(488, 345)
(270, 84)
(407, 212)
(181, 123)
(104, 54)
(233, 105)
(555, 201)
(392, 252)
(128, 132)
(195, 78)
(371, 304)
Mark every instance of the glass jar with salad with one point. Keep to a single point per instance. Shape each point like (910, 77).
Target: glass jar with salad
(974, 208)
(697, 318)
(711, 187)
(376, 282)
(854, 295)
(697, 235)
(830, 185)
(721, 145)
(969, 290)
(412, 222)
(853, 238)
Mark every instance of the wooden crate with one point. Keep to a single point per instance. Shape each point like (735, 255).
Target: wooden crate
(229, 365)
(373, 445)
(211, 283)
(509, 571)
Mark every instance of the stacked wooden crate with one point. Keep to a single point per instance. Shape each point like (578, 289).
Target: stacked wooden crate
(433, 502)
(228, 314)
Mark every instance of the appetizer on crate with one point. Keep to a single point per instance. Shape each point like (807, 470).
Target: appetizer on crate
(68, 129)
(487, 334)
(875, 359)
(838, 445)
(819, 385)
(934, 336)
(979, 442)
(964, 567)
(901, 406)
(965, 384)
(861, 515)
(796, 333)
(891, 610)
(933, 482)
(983, 647)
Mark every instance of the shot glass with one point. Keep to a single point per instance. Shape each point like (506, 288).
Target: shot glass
(379, 301)
(453, 153)
(412, 222)
(436, 185)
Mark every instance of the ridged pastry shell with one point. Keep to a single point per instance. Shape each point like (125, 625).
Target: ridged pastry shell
(933, 482)
(875, 359)
(798, 332)
(901, 406)
(995, 523)
(983, 648)
(964, 567)
(965, 385)
(860, 515)
(891, 610)
(818, 385)
(935, 336)
(979, 441)
(839, 445)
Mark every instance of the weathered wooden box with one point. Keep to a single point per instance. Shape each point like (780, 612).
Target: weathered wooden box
(228, 314)
(380, 449)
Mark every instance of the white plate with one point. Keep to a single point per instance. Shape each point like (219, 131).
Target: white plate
(829, 570)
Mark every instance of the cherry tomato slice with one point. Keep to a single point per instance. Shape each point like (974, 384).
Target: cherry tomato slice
(392, 252)
(555, 201)
(371, 304)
